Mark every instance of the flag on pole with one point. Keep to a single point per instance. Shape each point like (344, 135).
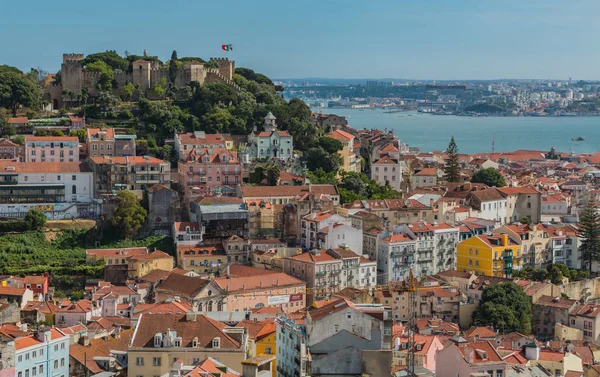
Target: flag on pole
(227, 47)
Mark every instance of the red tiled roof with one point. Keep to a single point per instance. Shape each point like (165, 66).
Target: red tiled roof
(330, 308)
(480, 349)
(41, 167)
(204, 328)
(313, 258)
(18, 120)
(340, 135)
(101, 347)
(92, 133)
(427, 171)
(122, 253)
(51, 138)
(211, 367)
(123, 160)
(266, 281)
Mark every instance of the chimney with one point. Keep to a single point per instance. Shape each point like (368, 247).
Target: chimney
(44, 335)
(503, 239)
(84, 340)
(470, 355)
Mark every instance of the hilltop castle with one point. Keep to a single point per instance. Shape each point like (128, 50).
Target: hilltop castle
(144, 74)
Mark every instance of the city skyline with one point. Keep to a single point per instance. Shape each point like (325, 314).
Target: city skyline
(333, 39)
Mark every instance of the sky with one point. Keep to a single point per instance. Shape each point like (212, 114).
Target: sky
(411, 39)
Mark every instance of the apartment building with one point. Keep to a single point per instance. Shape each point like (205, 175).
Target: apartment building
(423, 178)
(292, 355)
(43, 354)
(388, 171)
(495, 255)
(110, 142)
(61, 190)
(396, 254)
(11, 151)
(159, 339)
(209, 171)
(490, 203)
(134, 173)
(329, 230)
(318, 269)
(351, 163)
(51, 149)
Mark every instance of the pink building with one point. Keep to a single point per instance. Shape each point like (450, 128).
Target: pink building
(207, 171)
(185, 143)
(425, 346)
(51, 149)
(10, 150)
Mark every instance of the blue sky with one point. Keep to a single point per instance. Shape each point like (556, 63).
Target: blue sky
(418, 39)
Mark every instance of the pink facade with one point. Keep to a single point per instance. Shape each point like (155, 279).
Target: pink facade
(238, 302)
(51, 149)
(206, 172)
(10, 150)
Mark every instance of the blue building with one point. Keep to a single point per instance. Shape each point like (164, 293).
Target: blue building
(44, 354)
(291, 348)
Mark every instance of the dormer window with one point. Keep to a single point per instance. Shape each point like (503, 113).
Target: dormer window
(195, 342)
(216, 343)
(157, 340)
(177, 342)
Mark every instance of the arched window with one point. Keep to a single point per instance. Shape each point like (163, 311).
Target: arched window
(220, 306)
(209, 306)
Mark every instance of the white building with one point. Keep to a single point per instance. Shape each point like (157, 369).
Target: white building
(387, 171)
(61, 190)
(367, 275)
(328, 230)
(396, 254)
(269, 144)
(490, 204)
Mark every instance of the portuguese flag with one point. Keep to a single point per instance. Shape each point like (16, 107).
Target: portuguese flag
(227, 47)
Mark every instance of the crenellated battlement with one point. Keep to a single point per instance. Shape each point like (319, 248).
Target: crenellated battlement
(72, 58)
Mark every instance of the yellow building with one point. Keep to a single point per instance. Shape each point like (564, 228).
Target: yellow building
(140, 265)
(351, 163)
(262, 339)
(490, 255)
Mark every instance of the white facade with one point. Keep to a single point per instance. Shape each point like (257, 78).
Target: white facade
(494, 210)
(396, 255)
(342, 235)
(367, 275)
(387, 171)
(269, 144)
(315, 222)
(59, 189)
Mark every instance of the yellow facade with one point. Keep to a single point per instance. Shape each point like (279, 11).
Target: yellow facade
(484, 255)
(145, 266)
(268, 345)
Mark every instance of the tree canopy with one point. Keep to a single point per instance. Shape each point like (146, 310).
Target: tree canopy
(452, 168)
(589, 232)
(129, 216)
(506, 307)
(16, 89)
(490, 177)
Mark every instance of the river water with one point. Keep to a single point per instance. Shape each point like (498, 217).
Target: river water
(475, 134)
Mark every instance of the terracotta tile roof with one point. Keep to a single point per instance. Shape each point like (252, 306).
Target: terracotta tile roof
(215, 156)
(181, 285)
(204, 328)
(437, 325)
(121, 253)
(165, 307)
(494, 240)
(42, 167)
(483, 352)
(424, 341)
(28, 341)
(486, 195)
(427, 171)
(43, 307)
(556, 357)
(389, 148)
(266, 281)
(35, 279)
(10, 291)
(18, 120)
(312, 258)
(124, 160)
(100, 347)
(588, 310)
(156, 254)
(557, 302)
(213, 368)
(119, 290)
(287, 191)
(57, 139)
(330, 308)
(515, 358)
(318, 216)
(155, 276)
(82, 306)
(92, 133)
(518, 190)
(397, 238)
(481, 332)
(385, 161)
(12, 331)
(208, 139)
(340, 135)
(454, 274)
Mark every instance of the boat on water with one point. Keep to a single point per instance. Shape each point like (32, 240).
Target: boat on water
(578, 139)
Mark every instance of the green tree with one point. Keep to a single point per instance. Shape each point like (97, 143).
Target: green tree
(273, 172)
(85, 94)
(18, 90)
(257, 175)
(588, 230)
(318, 158)
(127, 91)
(452, 168)
(506, 307)
(35, 218)
(129, 216)
(554, 274)
(107, 75)
(20, 140)
(159, 90)
(173, 67)
(320, 176)
(490, 177)
(330, 145)
(9, 130)
(81, 135)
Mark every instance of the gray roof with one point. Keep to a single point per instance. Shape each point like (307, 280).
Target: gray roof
(270, 116)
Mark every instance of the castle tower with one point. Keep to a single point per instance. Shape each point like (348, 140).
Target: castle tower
(72, 72)
(270, 125)
(141, 74)
(226, 67)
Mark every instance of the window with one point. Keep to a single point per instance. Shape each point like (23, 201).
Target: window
(139, 361)
(55, 364)
(216, 343)
(20, 358)
(73, 178)
(156, 361)
(26, 178)
(62, 362)
(34, 353)
(33, 371)
(27, 356)
(41, 368)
